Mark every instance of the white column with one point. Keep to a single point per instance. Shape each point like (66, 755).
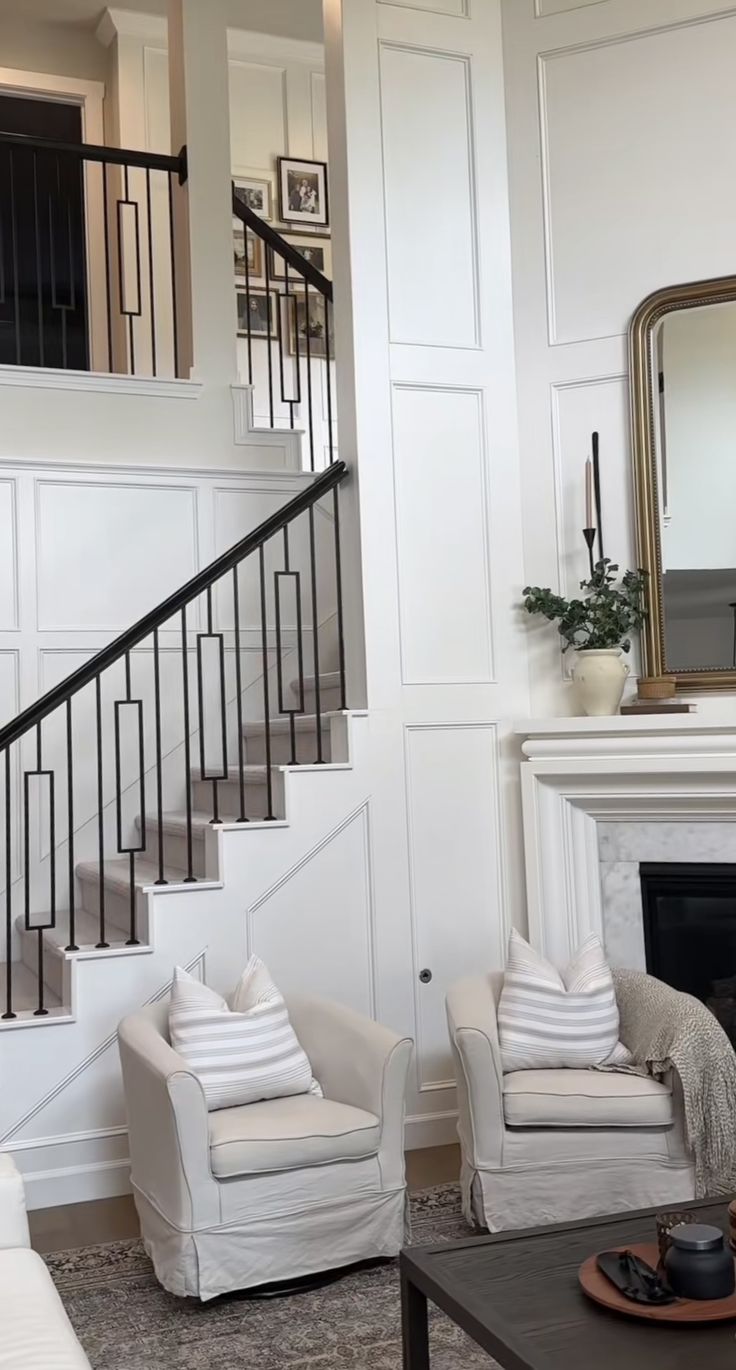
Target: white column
(200, 117)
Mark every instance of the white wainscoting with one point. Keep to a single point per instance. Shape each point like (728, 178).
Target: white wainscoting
(632, 197)
(430, 415)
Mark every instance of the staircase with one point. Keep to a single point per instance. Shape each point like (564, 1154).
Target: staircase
(232, 769)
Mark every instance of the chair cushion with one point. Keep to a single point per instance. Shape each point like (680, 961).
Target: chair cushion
(36, 1332)
(585, 1098)
(288, 1134)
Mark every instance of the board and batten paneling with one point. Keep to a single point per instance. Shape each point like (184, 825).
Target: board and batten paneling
(456, 899)
(442, 536)
(636, 196)
(432, 423)
(430, 213)
(624, 107)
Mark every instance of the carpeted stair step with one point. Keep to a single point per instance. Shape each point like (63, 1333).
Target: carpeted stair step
(329, 692)
(174, 828)
(305, 736)
(25, 990)
(228, 793)
(57, 939)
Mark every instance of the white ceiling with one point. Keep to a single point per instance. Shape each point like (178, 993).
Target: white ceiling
(286, 18)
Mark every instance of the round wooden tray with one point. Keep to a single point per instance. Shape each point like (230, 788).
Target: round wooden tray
(599, 1288)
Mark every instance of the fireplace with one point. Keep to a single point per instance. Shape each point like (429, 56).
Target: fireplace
(690, 931)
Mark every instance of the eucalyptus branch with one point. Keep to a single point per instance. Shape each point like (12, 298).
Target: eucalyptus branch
(604, 618)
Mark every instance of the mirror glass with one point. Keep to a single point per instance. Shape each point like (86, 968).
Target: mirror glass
(693, 362)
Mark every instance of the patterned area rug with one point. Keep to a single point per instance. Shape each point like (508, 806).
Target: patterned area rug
(125, 1321)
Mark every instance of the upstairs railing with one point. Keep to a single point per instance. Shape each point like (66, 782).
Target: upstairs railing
(285, 318)
(163, 709)
(87, 257)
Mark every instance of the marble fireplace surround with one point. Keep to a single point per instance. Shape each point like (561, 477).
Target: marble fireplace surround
(579, 773)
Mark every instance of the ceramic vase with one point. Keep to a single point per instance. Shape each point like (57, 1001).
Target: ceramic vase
(600, 675)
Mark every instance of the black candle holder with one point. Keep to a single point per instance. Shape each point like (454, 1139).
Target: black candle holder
(589, 535)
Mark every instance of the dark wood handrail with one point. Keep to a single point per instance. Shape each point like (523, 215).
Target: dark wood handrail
(274, 240)
(30, 717)
(96, 152)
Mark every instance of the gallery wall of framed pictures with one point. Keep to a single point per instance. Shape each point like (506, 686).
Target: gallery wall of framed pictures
(300, 213)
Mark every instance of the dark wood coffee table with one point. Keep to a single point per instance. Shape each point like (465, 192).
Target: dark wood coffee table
(517, 1295)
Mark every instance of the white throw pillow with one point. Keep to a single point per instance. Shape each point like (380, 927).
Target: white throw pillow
(548, 1020)
(242, 1053)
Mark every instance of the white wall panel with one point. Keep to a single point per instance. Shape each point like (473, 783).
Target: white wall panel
(636, 192)
(319, 115)
(442, 544)
(158, 119)
(543, 8)
(429, 197)
(257, 114)
(8, 566)
(315, 928)
(454, 861)
(99, 551)
(458, 8)
(578, 409)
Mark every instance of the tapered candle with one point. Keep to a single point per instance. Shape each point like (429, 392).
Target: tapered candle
(597, 489)
(589, 494)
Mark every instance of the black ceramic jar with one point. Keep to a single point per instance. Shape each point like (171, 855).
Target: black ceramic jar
(698, 1264)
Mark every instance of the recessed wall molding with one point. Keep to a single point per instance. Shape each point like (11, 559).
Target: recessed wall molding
(455, 863)
(455, 9)
(544, 9)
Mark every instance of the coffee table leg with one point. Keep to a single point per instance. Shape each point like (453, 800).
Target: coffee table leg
(414, 1328)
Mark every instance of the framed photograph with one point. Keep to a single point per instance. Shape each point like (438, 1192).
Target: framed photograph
(247, 243)
(303, 192)
(316, 250)
(310, 323)
(254, 317)
(255, 195)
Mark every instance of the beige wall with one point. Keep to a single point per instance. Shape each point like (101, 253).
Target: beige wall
(57, 49)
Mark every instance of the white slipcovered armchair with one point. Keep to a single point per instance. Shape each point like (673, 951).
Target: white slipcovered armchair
(275, 1190)
(543, 1146)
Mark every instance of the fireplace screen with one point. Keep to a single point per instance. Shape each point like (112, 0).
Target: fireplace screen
(690, 932)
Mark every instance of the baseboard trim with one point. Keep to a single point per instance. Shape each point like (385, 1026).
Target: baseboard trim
(76, 1184)
(430, 1129)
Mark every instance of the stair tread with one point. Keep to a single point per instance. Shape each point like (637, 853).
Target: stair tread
(254, 773)
(117, 872)
(86, 931)
(25, 989)
(176, 819)
(328, 680)
(303, 723)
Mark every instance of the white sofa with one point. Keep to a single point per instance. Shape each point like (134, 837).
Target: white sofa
(35, 1332)
(545, 1146)
(275, 1190)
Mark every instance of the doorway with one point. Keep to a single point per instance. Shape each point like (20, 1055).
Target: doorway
(43, 276)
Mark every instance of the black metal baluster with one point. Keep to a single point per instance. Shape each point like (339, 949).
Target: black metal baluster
(295, 375)
(310, 414)
(151, 290)
(132, 940)
(280, 338)
(14, 251)
(223, 708)
(269, 344)
(248, 337)
(102, 943)
(315, 631)
(338, 591)
(300, 655)
(266, 714)
(8, 894)
(239, 697)
(72, 944)
(159, 771)
(108, 297)
(328, 382)
(190, 877)
(39, 928)
(39, 279)
(172, 249)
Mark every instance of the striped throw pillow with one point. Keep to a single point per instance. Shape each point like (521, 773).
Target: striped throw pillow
(242, 1052)
(547, 1020)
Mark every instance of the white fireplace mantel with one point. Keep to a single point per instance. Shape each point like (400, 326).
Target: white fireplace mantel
(578, 772)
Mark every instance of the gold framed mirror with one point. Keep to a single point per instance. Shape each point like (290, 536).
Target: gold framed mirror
(682, 355)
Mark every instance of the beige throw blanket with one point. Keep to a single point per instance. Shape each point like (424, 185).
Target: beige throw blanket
(664, 1029)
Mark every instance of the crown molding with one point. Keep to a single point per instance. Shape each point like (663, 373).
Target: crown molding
(150, 28)
(245, 44)
(242, 44)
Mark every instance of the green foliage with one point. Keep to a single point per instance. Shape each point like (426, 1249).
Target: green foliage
(604, 618)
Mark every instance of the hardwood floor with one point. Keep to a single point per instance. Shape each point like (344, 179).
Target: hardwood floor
(110, 1220)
